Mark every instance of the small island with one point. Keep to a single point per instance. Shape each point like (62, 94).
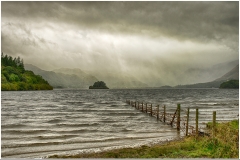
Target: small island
(99, 85)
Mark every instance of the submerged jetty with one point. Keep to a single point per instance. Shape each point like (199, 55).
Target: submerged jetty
(99, 85)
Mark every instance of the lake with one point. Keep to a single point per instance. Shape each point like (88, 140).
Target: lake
(36, 124)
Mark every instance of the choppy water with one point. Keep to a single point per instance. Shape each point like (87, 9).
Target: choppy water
(37, 124)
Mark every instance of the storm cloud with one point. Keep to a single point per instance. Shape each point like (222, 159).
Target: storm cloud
(149, 40)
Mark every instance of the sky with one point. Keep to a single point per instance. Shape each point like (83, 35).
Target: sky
(156, 42)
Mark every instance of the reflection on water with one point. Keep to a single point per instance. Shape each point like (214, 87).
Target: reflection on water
(40, 123)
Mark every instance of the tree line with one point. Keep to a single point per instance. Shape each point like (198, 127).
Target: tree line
(10, 61)
(15, 77)
(231, 84)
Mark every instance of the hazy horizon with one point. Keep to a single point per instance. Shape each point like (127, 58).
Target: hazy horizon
(156, 42)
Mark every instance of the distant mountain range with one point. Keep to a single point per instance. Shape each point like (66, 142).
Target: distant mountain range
(231, 75)
(76, 78)
(200, 75)
(64, 78)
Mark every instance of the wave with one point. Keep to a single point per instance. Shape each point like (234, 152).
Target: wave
(54, 121)
(120, 114)
(57, 137)
(77, 125)
(75, 102)
(30, 144)
(75, 141)
(24, 131)
(77, 131)
(5, 126)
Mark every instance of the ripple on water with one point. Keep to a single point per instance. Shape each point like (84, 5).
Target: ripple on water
(70, 121)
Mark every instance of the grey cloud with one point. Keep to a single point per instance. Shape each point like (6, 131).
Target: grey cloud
(183, 20)
(22, 34)
(77, 31)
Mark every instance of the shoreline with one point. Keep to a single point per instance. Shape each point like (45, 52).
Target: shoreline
(224, 144)
(113, 148)
(116, 148)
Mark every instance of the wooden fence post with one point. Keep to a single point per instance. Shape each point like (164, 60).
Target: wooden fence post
(142, 106)
(178, 117)
(164, 114)
(174, 115)
(214, 124)
(138, 106)
(151, 110)
(146, 107)
(196, 121)
(157, 112)
(187, 122)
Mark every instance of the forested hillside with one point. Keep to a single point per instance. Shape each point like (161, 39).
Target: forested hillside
(231, 84)
(14, 77)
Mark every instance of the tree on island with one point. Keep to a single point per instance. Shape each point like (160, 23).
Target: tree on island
(99, 85)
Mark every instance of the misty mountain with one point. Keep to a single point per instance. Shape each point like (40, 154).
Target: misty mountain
(64, 78)
(209, 74)
(118, 79)
(233, 74)
(86, 78)
(76, 78)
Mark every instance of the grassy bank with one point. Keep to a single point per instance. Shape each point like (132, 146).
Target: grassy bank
(225, 144)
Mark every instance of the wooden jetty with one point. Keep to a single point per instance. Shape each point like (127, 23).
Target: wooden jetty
(173, 119)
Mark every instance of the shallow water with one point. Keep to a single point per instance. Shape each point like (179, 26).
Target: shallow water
(37, 124)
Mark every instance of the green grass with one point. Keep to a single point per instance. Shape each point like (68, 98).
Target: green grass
(225, 144)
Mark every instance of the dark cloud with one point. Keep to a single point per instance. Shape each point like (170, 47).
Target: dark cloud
(183, 20)
(158, 38)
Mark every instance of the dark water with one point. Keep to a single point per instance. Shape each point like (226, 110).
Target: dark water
(37, 124)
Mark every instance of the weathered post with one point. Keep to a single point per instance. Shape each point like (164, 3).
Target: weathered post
(214, 124)
(164, 113)
(142, 106)
(178, 117)
(146, 107)
(157, 112)
(187, 122)
(174, 115)
(196, 121)
(138, 105)
(151, 110)
(135, 104)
